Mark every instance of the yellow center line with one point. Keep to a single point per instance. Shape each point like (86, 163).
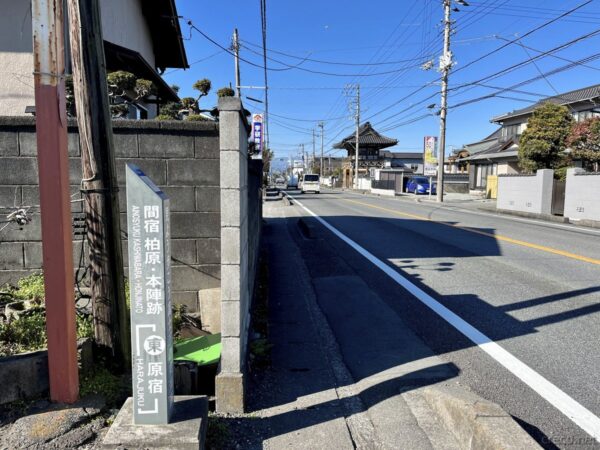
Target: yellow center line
(499, 237)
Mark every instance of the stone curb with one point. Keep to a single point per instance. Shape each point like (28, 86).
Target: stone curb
(475, 422)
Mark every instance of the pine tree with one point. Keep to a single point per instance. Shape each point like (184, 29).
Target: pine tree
(543, 143)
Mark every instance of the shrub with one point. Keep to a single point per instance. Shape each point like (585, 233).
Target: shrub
(196, 118)
(225, 92)
(164, 117)
(102, 382)
(30, 288)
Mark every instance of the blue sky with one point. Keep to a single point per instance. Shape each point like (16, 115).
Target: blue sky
(395, 36)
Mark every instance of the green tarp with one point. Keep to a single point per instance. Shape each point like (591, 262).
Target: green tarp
(203, 350)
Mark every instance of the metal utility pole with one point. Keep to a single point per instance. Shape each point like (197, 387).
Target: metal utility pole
(303, 157)
(356, 147)
(445, 67)
(99, 184)
(236, 51)
(51, 128)
(321, 125)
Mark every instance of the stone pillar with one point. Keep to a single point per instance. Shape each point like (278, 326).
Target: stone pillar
(235, 300)
(545, 179)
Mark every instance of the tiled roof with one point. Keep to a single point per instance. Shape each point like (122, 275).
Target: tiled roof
(402, 155)
(497, 149)
(578, 95)
(366, 136)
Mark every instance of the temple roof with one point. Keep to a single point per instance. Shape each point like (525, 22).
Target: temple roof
(367, 136)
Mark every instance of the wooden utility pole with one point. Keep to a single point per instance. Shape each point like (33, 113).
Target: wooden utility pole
(55, 205)
(445, 66)
(99, 184)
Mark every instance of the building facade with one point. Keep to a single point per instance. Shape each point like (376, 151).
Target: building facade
(141, 36)
(498, 153)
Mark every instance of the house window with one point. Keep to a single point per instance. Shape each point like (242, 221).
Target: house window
(512, 130)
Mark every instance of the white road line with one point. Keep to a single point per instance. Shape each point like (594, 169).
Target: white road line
(580, 415)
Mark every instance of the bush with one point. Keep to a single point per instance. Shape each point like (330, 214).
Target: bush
(25, 334)
(164, 117)
(226, 92)
(102, 382)
(30, 288)
(196, 118)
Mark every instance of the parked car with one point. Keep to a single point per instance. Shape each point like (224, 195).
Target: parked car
(419, 185)
(310, 183)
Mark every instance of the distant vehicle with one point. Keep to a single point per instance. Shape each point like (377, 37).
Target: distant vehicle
(292, 182)
(419, 185)
(310, 183)
(280, 182)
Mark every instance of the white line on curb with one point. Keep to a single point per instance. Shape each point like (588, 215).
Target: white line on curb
(579, 414)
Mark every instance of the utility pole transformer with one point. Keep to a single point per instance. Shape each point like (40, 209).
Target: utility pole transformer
(356, 147)
(99, 183)
(236, 51)
(445, 67)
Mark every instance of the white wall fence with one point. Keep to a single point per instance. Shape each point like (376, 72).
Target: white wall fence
(582, 197)
(526, 193)
(533, 194)
(364, 184)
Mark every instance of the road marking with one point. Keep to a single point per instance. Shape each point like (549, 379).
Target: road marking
(499, 237)
(578, 413)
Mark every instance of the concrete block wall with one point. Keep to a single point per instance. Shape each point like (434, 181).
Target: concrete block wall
(237, 276)
(526, 193)
(582, 196)
(181, 157)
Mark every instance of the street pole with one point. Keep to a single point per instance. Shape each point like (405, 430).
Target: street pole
(236, 51)
(53, 165)
(99, 183)
(445, 67)
(321, 125)
(356, 146)
(313, 159)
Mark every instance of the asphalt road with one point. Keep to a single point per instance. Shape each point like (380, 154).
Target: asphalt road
(533, 288)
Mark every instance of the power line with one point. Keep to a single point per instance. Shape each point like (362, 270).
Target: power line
(337, 63)
(544, 25)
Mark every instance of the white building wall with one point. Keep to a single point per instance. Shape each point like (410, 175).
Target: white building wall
(16, 60)
(582, 196)
(526, 193)
(122, 24)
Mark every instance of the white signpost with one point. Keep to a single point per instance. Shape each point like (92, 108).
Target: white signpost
(148, 229)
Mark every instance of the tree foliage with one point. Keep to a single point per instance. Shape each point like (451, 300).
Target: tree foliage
(543, 143)
(225, 92)
(267, 156)
(584, 141)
